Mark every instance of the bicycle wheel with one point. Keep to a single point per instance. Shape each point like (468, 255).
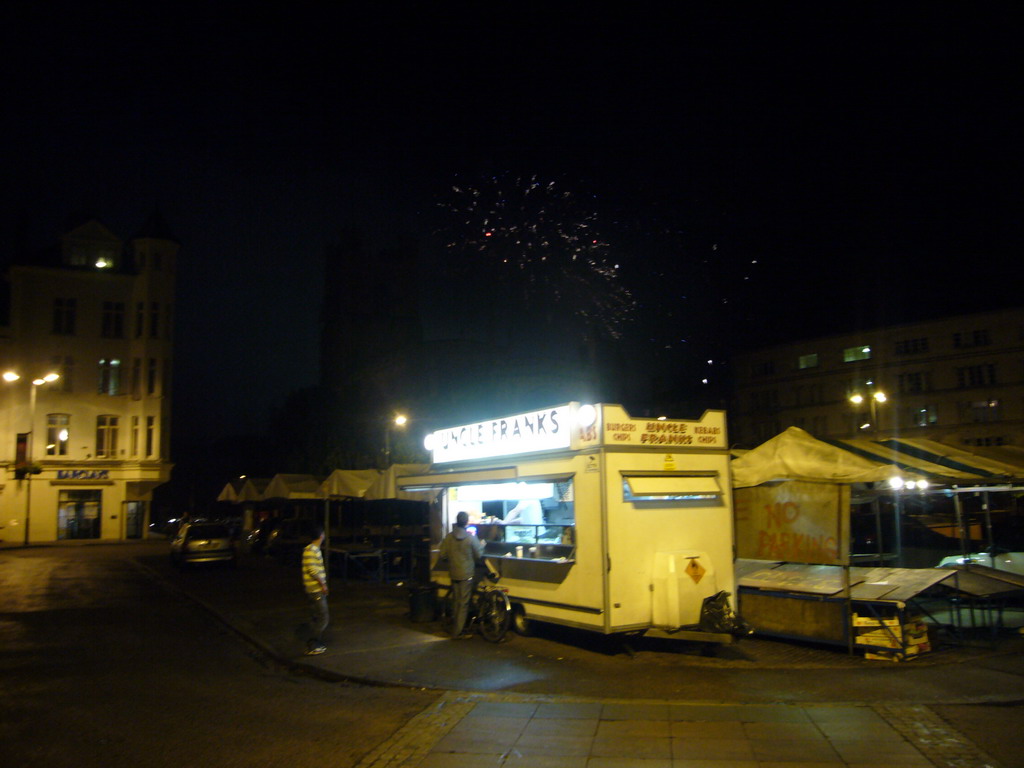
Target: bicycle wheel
(447, 612)
(495, 615)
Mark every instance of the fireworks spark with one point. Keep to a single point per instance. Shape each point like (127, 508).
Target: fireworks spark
(538, 240)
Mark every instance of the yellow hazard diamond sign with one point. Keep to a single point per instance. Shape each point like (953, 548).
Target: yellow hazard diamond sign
(695, 570)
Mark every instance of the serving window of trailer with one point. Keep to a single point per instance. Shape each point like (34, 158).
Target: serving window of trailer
(519, 519)
(690, 490)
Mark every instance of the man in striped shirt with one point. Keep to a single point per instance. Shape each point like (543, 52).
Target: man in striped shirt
(314, 580)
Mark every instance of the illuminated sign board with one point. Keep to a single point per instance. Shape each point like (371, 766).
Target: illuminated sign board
(619, 428)
(544, 430)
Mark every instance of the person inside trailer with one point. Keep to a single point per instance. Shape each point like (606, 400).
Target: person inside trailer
(526, 512)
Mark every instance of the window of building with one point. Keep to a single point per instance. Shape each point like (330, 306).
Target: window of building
(64, 311)
(79, 514)
(981, 442)
(136, 377)
(925, 416)
(765, 400)
(968, 339)
(135, 435)
(981, 411)
(110, 377)
(976, 375)
(763, 368)
(808, 361)
(911, 346)
(918, 381)
(57, 425)
(150, 434)
(154, 320)
(151, 377)
(106, 436)
(113, 320)
(852, 354)
(140, 319)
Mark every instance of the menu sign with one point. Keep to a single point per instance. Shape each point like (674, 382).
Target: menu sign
(621, 429)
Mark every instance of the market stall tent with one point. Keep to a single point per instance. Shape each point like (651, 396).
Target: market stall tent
(795, 455)
(788, 596)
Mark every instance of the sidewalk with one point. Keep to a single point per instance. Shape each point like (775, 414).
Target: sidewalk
(569, 698)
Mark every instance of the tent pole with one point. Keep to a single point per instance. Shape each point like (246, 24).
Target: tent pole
(876, 505)
(988, 519)
(898, 522)
(961, 531)
(849, 608)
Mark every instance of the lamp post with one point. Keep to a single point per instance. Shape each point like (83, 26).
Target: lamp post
(11, 376)
(874, 399)
(399, 420)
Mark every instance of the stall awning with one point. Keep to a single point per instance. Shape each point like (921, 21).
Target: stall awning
(293, 487)
(244, 489)
(426, 482)
(349, 483)
(666, 485)
(796, 455)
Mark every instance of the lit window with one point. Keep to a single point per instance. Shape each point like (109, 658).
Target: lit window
(106, 436)
(57, 434)
(852, 354)
(110, 377)
(925, 417)
(808, 361)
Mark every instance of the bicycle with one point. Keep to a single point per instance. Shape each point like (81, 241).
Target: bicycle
(489, 608)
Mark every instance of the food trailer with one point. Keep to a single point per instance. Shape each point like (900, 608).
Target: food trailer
(595, 519)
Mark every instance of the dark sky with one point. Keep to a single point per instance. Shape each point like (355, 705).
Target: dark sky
(814, 165)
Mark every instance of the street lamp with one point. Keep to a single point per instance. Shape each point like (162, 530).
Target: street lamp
(399, 420)
(10, 377)
(874, 399)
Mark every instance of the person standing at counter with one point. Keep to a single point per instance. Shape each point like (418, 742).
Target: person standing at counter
(462, 550)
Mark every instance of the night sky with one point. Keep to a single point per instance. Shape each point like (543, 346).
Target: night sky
(797, 169)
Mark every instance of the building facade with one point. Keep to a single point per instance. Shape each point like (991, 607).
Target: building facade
(85, 399)
(958, 380)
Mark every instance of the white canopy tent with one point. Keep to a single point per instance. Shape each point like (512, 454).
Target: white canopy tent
(796, 455)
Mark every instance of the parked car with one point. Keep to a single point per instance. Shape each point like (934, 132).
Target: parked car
(256, 539)
(289, 538)
(203, 542)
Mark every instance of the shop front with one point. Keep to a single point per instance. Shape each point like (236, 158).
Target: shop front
(78, 503)
(595, 519)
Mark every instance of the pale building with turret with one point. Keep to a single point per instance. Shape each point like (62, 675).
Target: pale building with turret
(82, 453)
